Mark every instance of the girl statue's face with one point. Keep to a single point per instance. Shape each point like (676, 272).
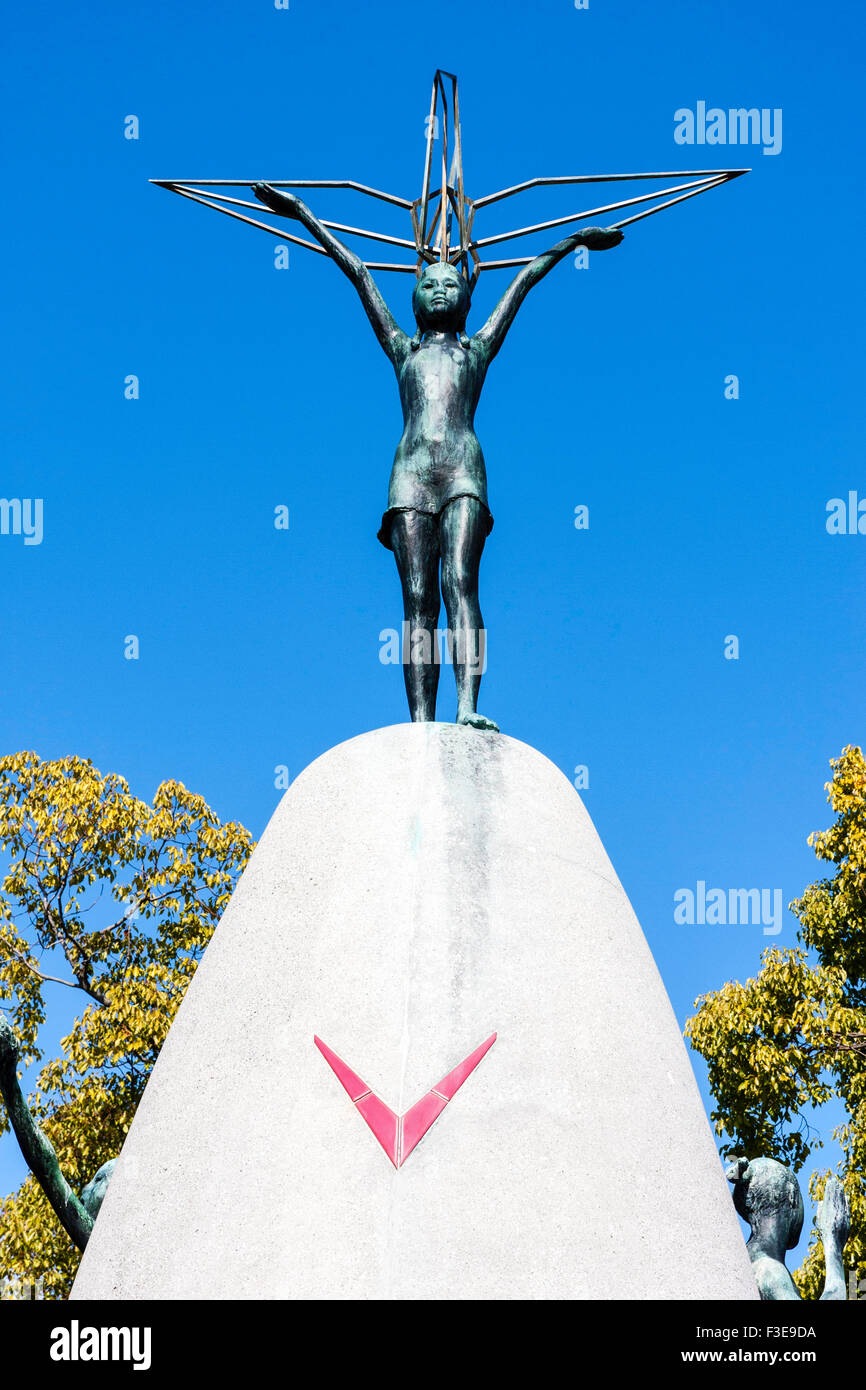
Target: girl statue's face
(441, 298)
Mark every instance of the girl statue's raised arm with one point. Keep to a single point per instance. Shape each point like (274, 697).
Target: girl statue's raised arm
(491, 337)
(392, 338)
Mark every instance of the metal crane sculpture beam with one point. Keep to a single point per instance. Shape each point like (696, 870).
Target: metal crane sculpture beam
(435, 237)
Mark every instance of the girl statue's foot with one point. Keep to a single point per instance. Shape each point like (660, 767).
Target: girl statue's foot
(477, 721)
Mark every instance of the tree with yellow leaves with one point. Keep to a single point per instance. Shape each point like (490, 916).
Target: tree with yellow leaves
(115, 899)
(795, 1035)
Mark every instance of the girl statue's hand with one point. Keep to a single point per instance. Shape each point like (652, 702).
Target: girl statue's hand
(287, 204)
(833, 1218)
(600, 238)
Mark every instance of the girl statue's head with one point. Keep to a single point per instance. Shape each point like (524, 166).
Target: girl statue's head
(441, 301)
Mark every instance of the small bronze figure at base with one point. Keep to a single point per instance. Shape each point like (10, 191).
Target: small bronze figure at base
(767, 1195)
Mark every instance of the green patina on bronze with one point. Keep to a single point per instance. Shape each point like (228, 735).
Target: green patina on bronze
(38, 1151)
(93, 1195)
(437, 518)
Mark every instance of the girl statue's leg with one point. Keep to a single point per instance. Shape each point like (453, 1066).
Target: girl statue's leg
(415, 542)
(462, 533)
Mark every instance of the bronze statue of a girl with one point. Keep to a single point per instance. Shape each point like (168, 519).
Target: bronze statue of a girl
(437, 518)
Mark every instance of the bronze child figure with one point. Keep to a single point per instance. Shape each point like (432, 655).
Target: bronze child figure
(437, 518)
(767, 1195)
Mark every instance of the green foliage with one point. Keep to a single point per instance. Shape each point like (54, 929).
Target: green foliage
(795, 1036)
(79, 842)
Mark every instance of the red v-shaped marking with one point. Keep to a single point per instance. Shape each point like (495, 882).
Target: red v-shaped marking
(399, 1134)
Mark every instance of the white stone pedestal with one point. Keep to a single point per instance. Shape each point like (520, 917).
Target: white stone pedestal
(418, 889)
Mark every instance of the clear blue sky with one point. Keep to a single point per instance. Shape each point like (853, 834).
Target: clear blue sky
(261, 387)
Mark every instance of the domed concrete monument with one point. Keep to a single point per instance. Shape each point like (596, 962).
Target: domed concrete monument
(427, 1055)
